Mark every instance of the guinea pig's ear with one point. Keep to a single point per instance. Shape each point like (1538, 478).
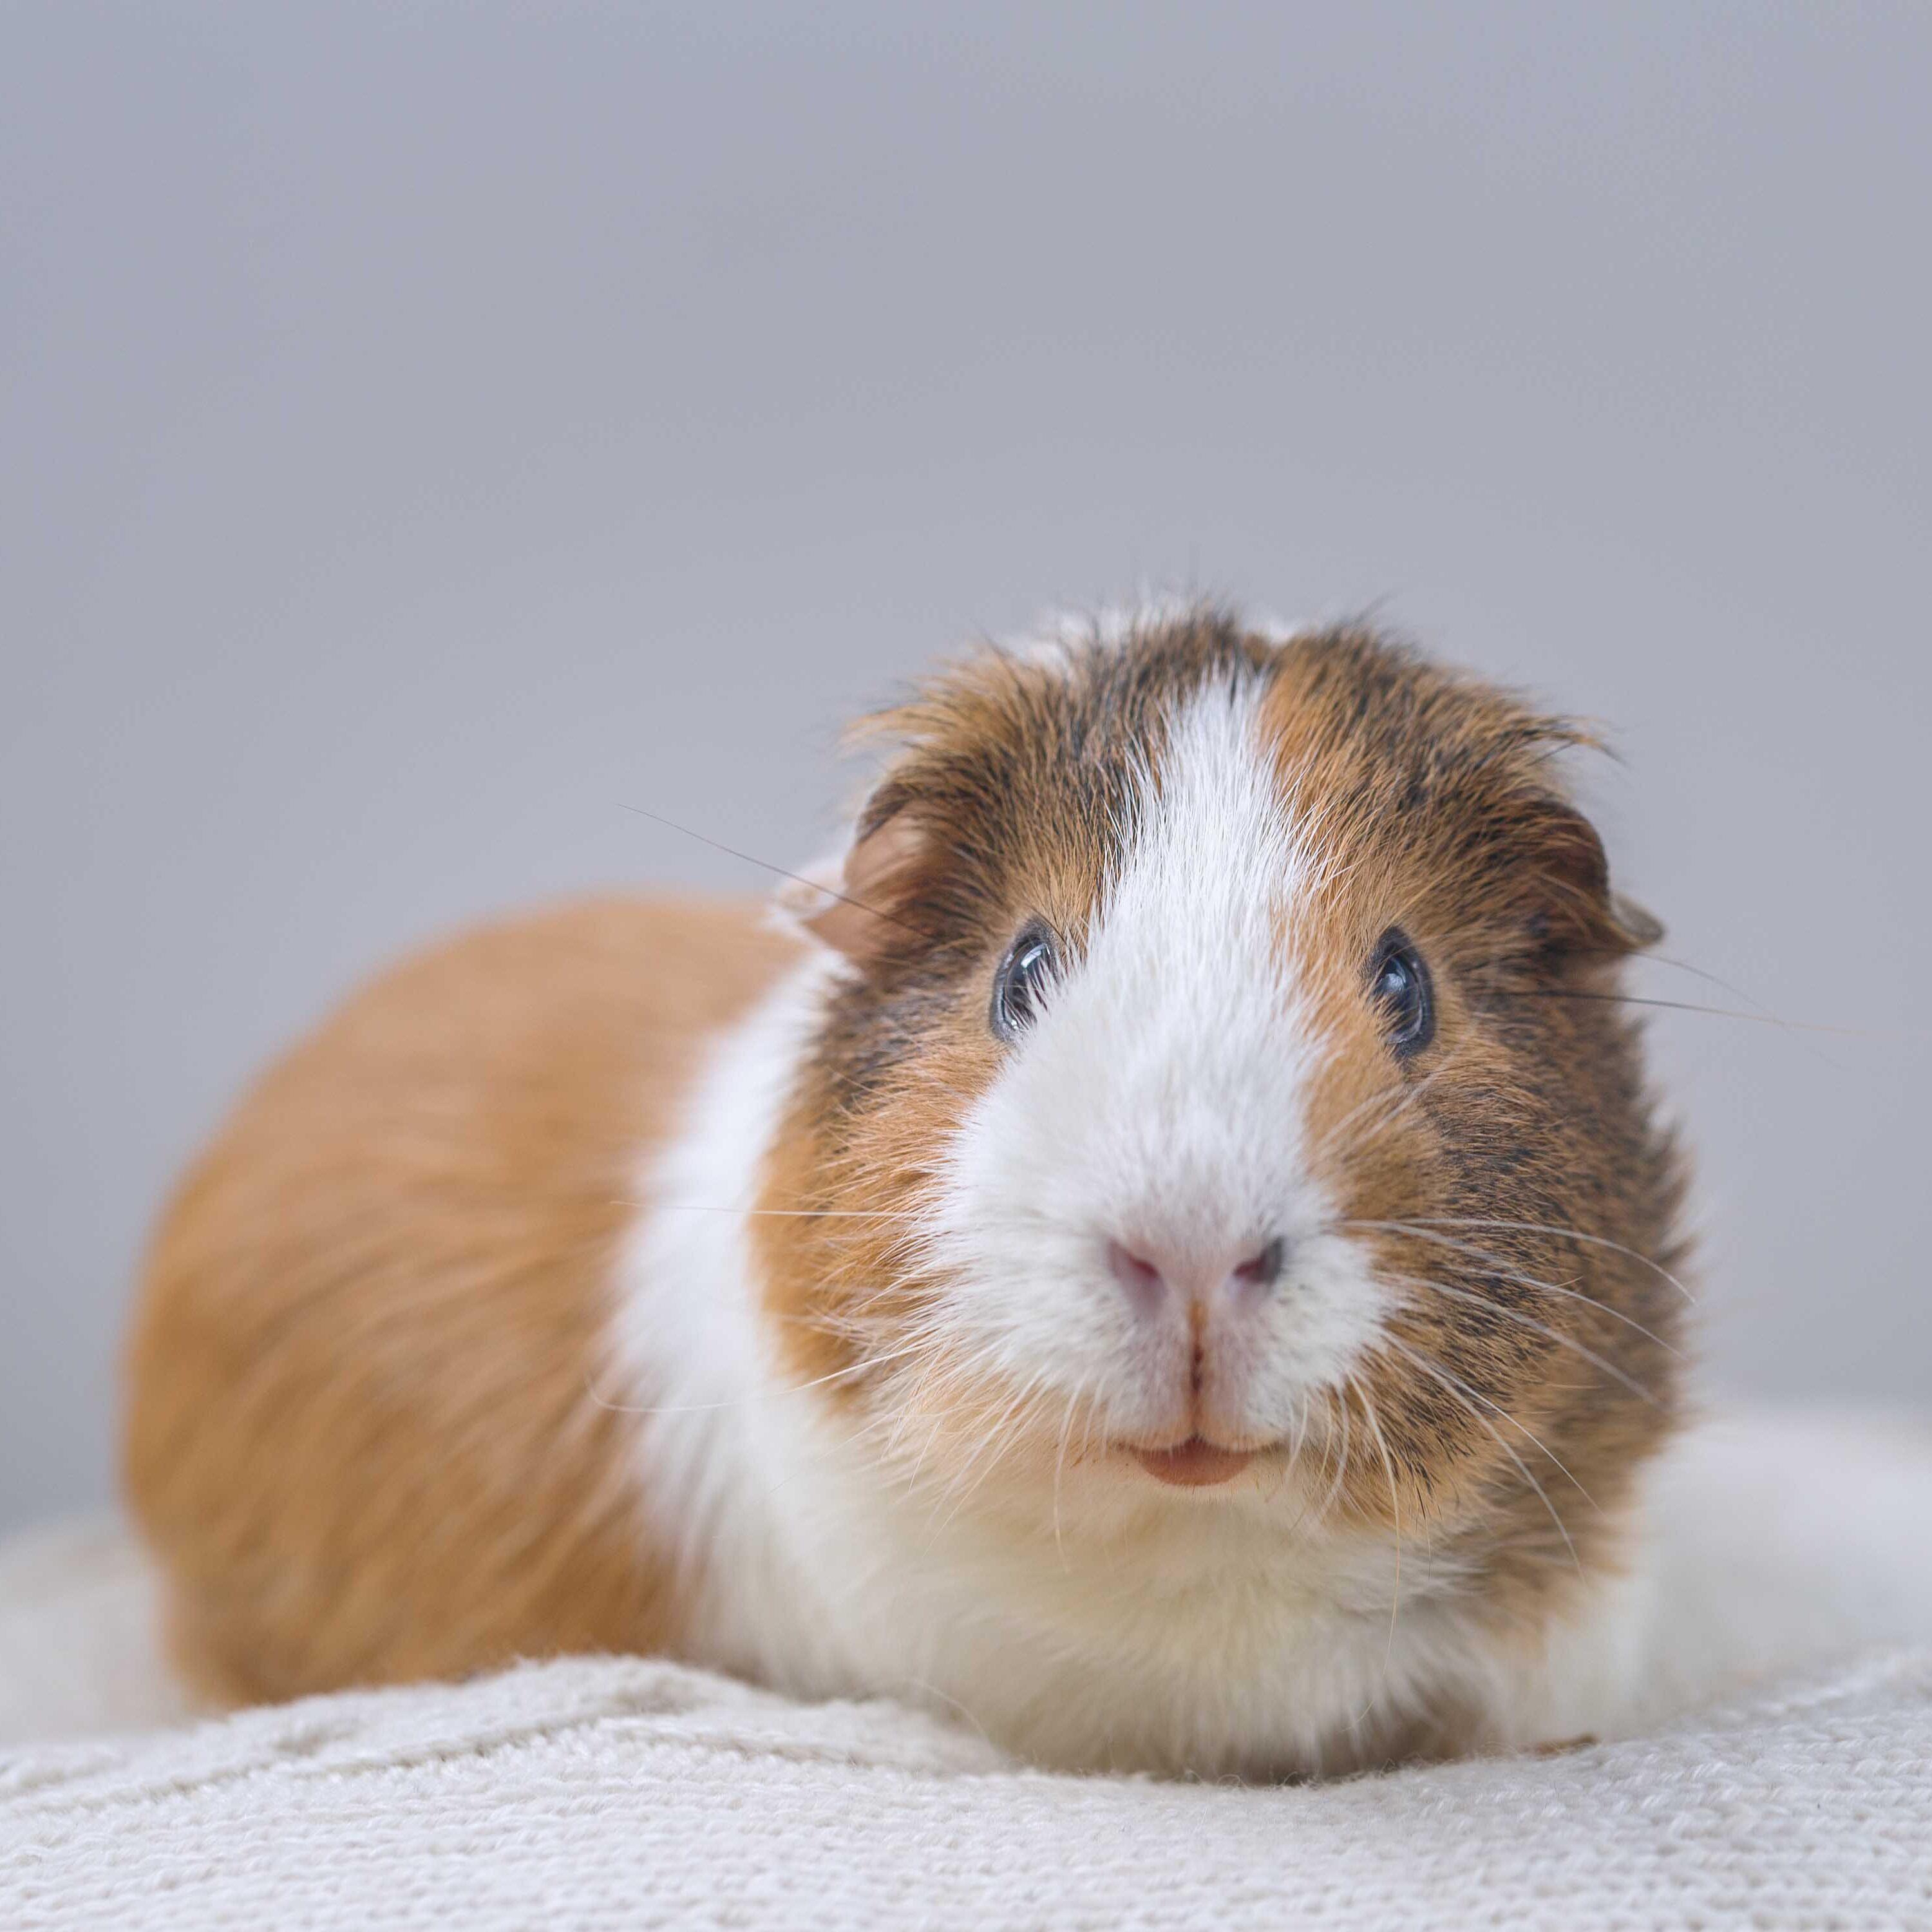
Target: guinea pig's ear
(858, 902)
(1581, 913)
(1637, 925)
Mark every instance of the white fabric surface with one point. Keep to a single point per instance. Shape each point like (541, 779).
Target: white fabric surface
(624, 1793)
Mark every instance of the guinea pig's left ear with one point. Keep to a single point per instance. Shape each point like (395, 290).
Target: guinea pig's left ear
(859, 903)
(1582, 913)
(1637, 925)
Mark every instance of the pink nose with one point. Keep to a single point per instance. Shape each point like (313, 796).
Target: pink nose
(1150, 1278)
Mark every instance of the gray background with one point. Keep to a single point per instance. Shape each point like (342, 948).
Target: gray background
(424, 430)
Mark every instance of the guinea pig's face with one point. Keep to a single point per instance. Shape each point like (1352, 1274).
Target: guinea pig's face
(1227, 1095)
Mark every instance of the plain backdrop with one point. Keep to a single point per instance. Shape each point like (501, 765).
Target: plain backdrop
(425, 430)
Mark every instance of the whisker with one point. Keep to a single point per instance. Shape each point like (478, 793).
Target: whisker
(984, 1444)
(1917, 1036)
(740, 1401)
(1328, 1439)
(1501, 1270)
(765, 865)
(1736, 992)
(1335, 1134)
(1396, 1103)
(1569, 1293)
(785, 1213)
(1538, 1227)
(986, 1457)
(914, 1407)
(1395, 1509)
(1483, 1301)
(1089, 1418)
(1059, 1463)
(1329, 1501)
(1465, 1394)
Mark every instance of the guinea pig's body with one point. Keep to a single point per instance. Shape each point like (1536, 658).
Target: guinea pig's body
(1168, 1256)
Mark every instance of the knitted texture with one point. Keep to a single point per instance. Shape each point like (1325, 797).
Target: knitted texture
(598, 1793)
(619, 1792)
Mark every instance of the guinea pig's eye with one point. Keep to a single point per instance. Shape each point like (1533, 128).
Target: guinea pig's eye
(1020, 985)
(1399, 984)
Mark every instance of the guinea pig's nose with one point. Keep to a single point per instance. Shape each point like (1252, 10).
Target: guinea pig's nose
(1150, 1277)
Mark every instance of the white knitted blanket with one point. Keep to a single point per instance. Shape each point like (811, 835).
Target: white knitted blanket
(627, 1793)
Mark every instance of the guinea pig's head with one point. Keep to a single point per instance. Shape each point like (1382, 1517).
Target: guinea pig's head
(1223, 1099)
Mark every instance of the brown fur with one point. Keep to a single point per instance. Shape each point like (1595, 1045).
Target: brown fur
(362, 1435)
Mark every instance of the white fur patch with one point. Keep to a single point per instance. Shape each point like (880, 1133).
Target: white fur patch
(695, 1361)
(1158, 1102)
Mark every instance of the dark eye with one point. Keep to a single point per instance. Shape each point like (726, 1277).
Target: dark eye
(1020, 985)
(1399, 984)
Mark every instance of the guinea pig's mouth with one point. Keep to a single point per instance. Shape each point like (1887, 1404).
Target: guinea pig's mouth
(1195, 1464)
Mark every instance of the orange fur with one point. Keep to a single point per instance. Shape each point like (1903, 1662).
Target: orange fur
(362, 1435)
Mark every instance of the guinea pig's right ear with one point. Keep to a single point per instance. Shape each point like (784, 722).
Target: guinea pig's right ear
(859, 903)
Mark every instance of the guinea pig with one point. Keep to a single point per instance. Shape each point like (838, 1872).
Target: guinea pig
(1164, 1247)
